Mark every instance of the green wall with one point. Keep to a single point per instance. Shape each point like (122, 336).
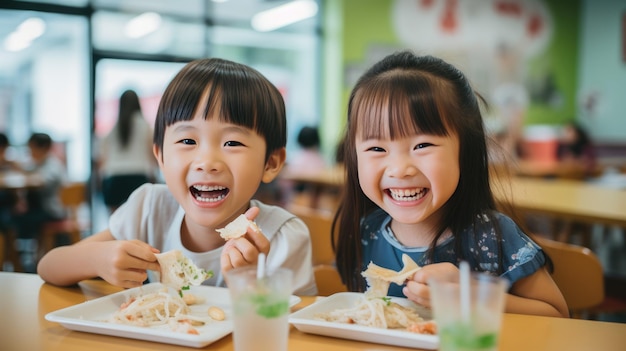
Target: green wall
(364, 23)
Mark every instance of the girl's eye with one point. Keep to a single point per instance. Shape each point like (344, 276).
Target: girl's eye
(376, 149)
(423, 145)
(232, 143)
(188, 142)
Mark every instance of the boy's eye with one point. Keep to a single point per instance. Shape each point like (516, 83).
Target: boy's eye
(188, 142)
(233, 143)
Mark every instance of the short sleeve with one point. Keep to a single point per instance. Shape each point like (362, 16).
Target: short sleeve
(521, 256)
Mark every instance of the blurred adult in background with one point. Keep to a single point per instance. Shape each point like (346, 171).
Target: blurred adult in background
(126, 160)
(576, 151)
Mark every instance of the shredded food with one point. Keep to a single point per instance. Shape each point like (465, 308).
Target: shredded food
(159, 308)
(375, 309)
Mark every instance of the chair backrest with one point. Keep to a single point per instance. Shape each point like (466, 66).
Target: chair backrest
(319, 223)
(73, 195)
(328, 280)
(577, 272)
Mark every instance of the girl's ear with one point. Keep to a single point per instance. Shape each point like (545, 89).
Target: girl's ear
(274, 164)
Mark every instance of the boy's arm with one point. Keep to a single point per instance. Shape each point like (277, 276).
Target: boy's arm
(120, 262)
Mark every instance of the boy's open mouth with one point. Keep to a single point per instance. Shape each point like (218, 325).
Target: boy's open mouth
(208, 193)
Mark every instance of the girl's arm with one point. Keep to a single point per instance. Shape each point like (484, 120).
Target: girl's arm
(537, 294)
(122, 263)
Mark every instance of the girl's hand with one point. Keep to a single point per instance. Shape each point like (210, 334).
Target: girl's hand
(417, 289)
(125, 263)
(245, 250)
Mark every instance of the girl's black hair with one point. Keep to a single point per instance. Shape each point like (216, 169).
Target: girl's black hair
(234, 92)
(398, 96)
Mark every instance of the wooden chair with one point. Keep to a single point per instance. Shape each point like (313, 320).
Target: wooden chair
(328, 280)
(8, 251)
(578, 273)
(72, 196)
(319, 223)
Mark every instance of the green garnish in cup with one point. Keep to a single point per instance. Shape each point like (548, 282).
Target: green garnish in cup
(268, 308)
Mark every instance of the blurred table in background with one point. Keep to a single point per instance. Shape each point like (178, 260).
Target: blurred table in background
(18, 181)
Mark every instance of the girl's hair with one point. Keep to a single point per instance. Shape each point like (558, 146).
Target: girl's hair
(129, 105)
(234, 92)
(397, 97)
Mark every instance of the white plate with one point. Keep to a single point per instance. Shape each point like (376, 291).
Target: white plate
(91, 316)
(305, 320)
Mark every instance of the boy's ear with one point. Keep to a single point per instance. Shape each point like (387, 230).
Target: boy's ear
(157, 154)
(274, 164)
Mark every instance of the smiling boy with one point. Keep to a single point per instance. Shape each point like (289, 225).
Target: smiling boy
(220, 131)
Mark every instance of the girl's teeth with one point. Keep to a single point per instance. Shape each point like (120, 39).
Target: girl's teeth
(407, 195)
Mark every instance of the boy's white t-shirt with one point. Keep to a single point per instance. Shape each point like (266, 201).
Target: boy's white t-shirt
(151, 214)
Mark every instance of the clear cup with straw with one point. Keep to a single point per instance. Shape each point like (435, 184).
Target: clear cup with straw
(260, 305)
(468, 312)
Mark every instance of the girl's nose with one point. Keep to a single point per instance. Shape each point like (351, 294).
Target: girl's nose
(401, 167)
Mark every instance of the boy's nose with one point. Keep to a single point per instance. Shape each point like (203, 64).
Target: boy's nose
(208, 162)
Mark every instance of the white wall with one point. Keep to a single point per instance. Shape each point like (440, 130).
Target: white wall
(602, 69)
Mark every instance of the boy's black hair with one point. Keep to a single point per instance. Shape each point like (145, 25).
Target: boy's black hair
(235, 93)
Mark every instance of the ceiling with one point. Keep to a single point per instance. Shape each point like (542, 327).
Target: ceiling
(181, 14)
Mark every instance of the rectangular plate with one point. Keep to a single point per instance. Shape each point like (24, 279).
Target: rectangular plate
(305, 321)
(91, 317)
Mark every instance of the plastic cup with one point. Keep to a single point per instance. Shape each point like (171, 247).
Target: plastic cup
(473, 326)
(260, 308)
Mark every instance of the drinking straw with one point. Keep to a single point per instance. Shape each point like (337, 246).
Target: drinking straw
(465, 291)
(260, 270)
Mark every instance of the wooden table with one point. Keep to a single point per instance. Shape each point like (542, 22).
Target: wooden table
(563, 198)
(567, 199)
(25, 299)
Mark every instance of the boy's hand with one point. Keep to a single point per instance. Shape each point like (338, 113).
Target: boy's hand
(417, 289)
(245, 250)
(125, 263)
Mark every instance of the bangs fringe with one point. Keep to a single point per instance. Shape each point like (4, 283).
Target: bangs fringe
(380, 109)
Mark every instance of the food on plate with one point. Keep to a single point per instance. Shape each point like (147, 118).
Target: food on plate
(375, 312)
(216, 313)
(164, 308)
(236, 228)
(178, 271)
(376, 309)
(379, 278)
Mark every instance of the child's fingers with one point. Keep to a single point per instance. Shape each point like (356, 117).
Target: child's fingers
(252, 212)
(256, 238)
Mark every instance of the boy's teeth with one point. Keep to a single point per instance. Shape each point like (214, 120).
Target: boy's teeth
(210, 199)
(208, 187)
